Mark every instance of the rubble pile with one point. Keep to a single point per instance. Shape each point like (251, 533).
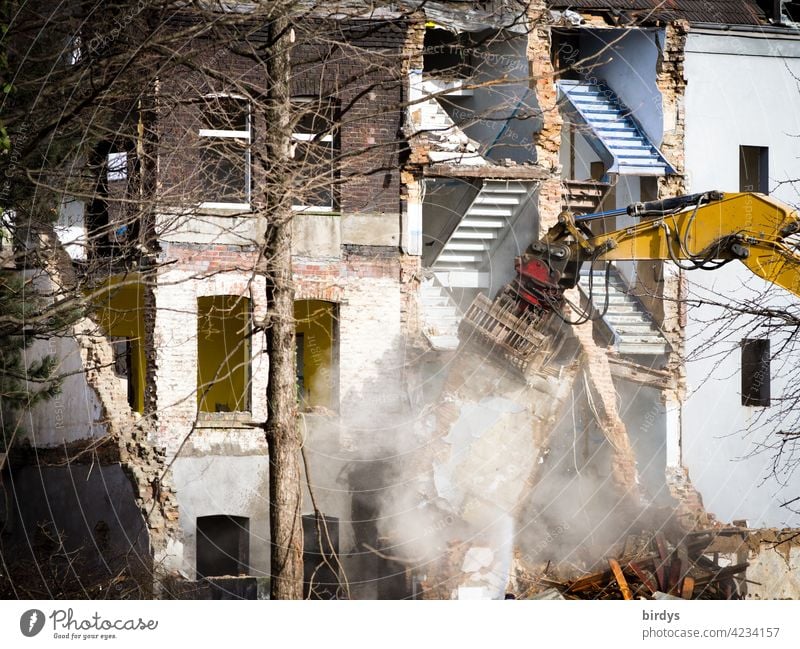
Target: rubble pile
(654, 568)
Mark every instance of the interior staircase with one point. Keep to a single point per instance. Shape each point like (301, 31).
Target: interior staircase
(611, 126)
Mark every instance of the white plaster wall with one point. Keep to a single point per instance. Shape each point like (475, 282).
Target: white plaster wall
(74, 413)
(585, 155)
(70, 227)
(485, 113)
(627, 61)
(740, 92)
(224, 485)
(515, 240)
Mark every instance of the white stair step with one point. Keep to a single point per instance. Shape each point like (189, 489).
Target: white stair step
(461, 258)
(489, 211)
(654, 170)
(643, 348)
(473, 234)
(497, 224)
(497, 199)
(643, 329)
(626, 319)
(642, 152)
(458, 245)
(605, 117)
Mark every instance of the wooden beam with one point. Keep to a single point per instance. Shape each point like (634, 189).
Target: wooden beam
(623, 584)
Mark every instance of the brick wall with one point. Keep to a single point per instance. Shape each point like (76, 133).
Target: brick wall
(175, 344)
(361, 69)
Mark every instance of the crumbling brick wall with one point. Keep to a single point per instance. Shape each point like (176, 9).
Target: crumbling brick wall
(127, 438)
(199, 271)
(547, 140)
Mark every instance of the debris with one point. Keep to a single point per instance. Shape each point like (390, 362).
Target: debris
(686, 569)
(549, 593)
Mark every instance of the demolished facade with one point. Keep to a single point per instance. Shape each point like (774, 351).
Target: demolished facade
(486, 120)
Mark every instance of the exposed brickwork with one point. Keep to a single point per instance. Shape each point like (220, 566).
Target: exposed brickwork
(129, 436)
(548, 139)
(176, 346)
(603, 394)
(672, 85)
(690, 512)
(362, 72)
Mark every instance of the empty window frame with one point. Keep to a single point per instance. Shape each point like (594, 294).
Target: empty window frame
(225, 162)
(223, 546)
(316, 151)
(317, 344)
(754, 169)
(223, 353)
(755, 372)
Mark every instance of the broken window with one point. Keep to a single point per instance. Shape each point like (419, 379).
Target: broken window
(107, 221)
(565, 53)
(316, 150)
(755, 372)
(223, 546)
(225, 153)
(317, 353)
(124, 367)
(119, 309)
(223, 353)
(444, 56)
(754, 169)
(791, 11)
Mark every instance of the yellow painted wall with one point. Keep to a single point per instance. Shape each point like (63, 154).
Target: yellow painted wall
(120, 312)
(223, 353)
(316, 321)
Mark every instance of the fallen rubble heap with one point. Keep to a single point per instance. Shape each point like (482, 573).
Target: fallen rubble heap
(654, 568)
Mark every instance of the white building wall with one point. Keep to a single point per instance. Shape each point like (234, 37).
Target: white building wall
(741, 91)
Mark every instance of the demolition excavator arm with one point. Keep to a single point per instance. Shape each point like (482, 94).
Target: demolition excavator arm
(700, 231)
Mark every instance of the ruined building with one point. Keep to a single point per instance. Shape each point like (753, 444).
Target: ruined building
(448, 137)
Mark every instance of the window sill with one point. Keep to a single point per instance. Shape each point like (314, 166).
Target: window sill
(327, 211)
(225, 209)
(225, 420)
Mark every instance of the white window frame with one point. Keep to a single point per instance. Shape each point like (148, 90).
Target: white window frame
(240, 135)
(309, 137)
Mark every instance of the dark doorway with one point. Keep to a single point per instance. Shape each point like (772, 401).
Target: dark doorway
(320, 556)
(223, 546)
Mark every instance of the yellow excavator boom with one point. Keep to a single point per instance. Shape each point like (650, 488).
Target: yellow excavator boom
(746, 226)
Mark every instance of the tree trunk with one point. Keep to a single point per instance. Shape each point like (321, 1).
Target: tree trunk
(283, 436)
